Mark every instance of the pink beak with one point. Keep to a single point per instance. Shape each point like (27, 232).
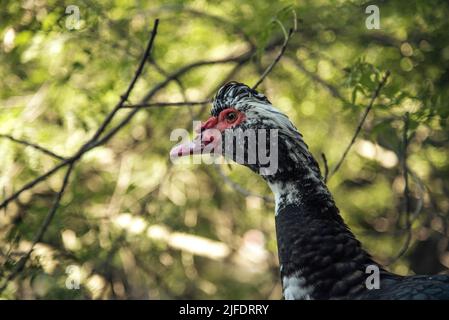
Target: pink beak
(206, 141)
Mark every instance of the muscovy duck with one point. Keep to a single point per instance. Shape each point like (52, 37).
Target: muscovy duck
(320, 258)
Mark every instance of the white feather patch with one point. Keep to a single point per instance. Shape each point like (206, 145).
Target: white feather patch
(294, 287)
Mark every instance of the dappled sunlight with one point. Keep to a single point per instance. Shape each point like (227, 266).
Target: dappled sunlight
(190, 243)
(369, 150)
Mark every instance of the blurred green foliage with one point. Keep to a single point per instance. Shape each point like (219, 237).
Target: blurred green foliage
(138, 226)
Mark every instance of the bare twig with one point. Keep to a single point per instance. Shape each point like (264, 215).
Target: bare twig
(167, 104)
(176, 74)
(436, 211)
(405, 173)
(287, 37)
(165, 74)
(276, 60)
(34, 182)
(404, 164)
(124, 97)
(421, 187)
(32, 145)
(219, 21)
(315, 77)
(326, 167)
(43, 228)
(227, 78)
(239, 188)
(360, 125)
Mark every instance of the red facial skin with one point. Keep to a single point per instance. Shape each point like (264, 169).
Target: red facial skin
(209, 134)
(221, 123)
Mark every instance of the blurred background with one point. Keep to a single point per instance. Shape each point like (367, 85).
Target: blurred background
(131, 225)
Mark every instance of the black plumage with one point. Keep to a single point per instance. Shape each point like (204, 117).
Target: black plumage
(333, 263)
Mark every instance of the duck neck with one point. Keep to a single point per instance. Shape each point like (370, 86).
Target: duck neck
(319, 256)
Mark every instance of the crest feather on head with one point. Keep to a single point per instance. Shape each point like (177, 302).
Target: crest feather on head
(232, 93)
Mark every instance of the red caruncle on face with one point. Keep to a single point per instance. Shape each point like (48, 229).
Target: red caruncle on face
(209, 134)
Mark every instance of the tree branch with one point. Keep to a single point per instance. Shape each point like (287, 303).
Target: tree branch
(326, 167)
(92, 141)
(360, 125)
(276, 60)
(405, 173)
(124, 97)
(43, 228)
(167, 104)
(32, 145)
(237, 187)
(315, 77)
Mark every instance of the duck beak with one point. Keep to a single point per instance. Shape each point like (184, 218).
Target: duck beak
(185, 149)
(207, 140)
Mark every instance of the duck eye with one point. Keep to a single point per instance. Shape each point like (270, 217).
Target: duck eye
(231, 116)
